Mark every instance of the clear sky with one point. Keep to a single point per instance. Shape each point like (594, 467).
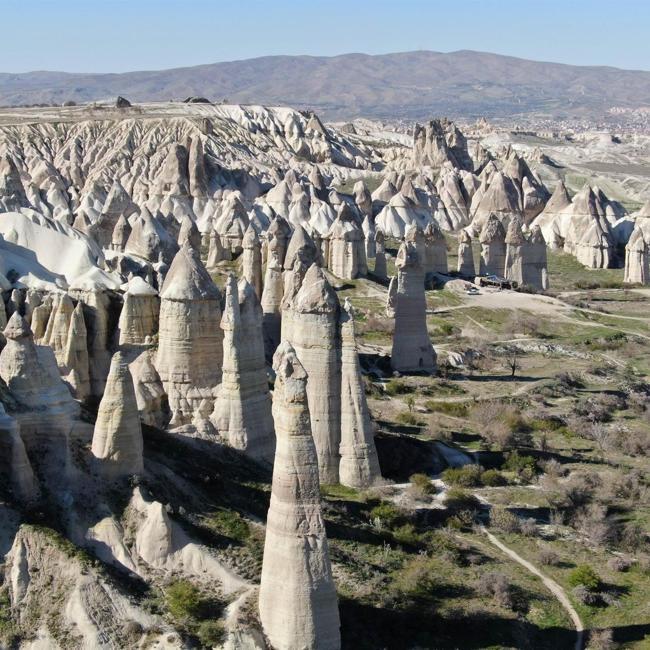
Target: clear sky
(121, 35)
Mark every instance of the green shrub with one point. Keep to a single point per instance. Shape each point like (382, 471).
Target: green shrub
(407, 534)
(230, 524)
(584, 576)
(397, 387)
(466, 476)
(210, 633)
(457, 409)
(422, 485)
(418, 578)
(524, 467)
(504, 520)
(388, 514)
(183, 600)
(408, 418)
(458, 499)
(493, 478)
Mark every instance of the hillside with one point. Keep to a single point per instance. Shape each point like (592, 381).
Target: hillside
(409, 85)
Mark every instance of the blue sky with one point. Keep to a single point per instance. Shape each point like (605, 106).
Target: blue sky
(120, 35)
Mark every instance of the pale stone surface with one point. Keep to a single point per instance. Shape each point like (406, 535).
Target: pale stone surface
(190, 340)
(149, 392)
(347, 250)
(636, 258)
(301, 246)
(117, 438)
(412, 349)
(58, 325)
(121, 234)
(493, 247)
(76, 361)
(380, 255)
(138, 322)
(31, 374)
(215, 251)
(242, 412)
(391, 297)
(359, 466)
(251, 260)
(465, 255)
(535, 267)
(435, 250)
(297, 601)
(310, 322)
(516, 252)
(14, 461)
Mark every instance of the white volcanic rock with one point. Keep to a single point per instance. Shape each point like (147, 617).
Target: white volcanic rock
(362, 198)
(595, 249)
(466, 265)
(149, 392)
(500, 198)
(439, 142)
(232, 223)
(190, 341)
(435, 250)
(516, 252)
(380, 255)
(552, 219)
(493, 247)
(242, 412)
(347, 250)
(117, 438)
(30, 373)
(299, 211)
(14, 461)
(369, 233)
(384, 193)
(251, 260)
(456, 211)
(121, 234)
(310, 322)
(535, 263)
(149, 238)
(75, 360)
(96, 307)
(321, 216)
(189, 232)
(297, 601)
(40, 318)
(301, 246)
(636, 258)
(398, 215)
(216, 252)
(58, 326)
(412, 349)
(12, 192)
(359, 466)
(138, 322)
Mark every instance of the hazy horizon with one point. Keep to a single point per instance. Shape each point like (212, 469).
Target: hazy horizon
(125, 36)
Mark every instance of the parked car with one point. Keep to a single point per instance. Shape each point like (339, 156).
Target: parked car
(495, 281)
(472, 291)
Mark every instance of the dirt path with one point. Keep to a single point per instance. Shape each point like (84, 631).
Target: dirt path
(550, 584)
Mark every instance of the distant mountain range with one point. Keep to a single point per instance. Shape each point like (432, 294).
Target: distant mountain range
(411, 85)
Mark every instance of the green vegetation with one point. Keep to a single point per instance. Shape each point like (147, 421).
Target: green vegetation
(456, 409)
(584, 576)
(230, 524)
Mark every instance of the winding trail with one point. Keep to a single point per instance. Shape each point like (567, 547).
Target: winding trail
(550, 584)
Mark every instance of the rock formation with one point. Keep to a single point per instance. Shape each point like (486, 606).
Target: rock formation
(516, 252)
(138, 322)
(493, 247)
(251, 260)
(380, 255)
(189, 341)
(465, 255)
(636, 258)
(76, 360)
(242, 413)
(297, 601)
(347, 251)
(311, 324)
(435, 250)
(359, 466)
(535, 266)
(56, 334)
(412, 349)
(117, 439)
(14, 462)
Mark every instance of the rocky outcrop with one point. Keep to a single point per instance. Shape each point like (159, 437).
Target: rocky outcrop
(189, 341)
(56, 334)
(138, 322)
(121, 234)
(535, 267)
(347, 251)
(636, 258)
(465, 255)
(439, 142)
(412, 350)
(380, 255)
(242, 413)
(310, 322)
(251, 260)
(435, 250)
(45, 407)
(516, 252)
(595, 249)
(297, 601)
(359, 466)
(149, 392)
(76, 360)
(117, 438)
(493, 247)
(14, 462)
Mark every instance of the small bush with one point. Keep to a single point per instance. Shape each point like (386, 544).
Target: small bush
(601, 640)
(230, 524)
(458, 499)
(584, 595)
(496, 585)
(504, 520)
(183, 600)
(548, 557)
(456, 409)
(584, 576)
(528, 527)
(388, 514)
(493, 478)
(466, 476)
(462, 520)
(421, 485)
(524, 467)
(409, 419)
(210, 633)
(397, 387)
(619, 564)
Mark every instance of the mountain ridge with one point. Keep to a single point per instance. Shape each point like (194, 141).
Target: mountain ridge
(411, 85)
